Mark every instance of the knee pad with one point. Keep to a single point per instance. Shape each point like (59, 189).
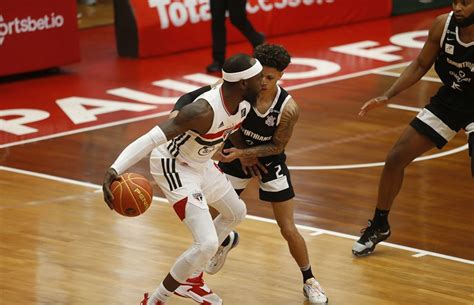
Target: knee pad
(207, 249)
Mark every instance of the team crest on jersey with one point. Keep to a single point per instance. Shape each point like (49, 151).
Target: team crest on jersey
(206, 150)
(243, 113)
(449, 48)
(197, 196)
(270, 121)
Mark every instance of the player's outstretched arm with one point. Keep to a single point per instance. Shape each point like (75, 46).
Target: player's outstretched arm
(197, 116)
(416, 70)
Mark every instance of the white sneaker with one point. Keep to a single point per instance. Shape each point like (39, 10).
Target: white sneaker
(217, 261)
(313, 291)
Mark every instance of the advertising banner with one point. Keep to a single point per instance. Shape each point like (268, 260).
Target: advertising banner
(166, 26)
(35, 35)
(411, 6)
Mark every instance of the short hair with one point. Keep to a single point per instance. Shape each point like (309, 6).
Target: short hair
(237, 63)
(272, 55)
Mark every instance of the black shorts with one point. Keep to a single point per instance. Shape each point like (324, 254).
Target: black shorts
(441, 123)
(275, 186)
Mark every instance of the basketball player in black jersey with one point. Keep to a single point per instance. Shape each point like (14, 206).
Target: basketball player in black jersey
(450, 46)
(264, 134)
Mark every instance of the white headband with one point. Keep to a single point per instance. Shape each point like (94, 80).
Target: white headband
(246, 74)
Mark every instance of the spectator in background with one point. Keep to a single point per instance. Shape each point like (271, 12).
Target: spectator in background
(238, 17)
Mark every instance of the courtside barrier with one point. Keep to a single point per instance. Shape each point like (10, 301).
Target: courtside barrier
(158, 27)
(411, 6)
(36, 35)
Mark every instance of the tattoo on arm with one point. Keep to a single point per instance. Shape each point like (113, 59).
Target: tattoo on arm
(282, 135)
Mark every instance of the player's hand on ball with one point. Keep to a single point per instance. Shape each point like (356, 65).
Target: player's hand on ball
(109, 177)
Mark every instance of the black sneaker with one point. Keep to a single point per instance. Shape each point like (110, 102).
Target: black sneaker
(370, 238)
(215, 66)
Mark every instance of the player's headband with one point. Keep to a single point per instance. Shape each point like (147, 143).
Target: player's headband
(246, 74)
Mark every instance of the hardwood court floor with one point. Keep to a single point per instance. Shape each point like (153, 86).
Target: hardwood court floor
(61, 245)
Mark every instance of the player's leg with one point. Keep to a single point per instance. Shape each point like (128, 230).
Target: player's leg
(409, 146)
(433, 127)
(283, 212)
(219, 40)
(231, 211)
(238, 18)
(276, 187)
(187, 269)
(181, 186)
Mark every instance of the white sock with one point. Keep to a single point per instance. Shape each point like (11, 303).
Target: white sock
(161, 294)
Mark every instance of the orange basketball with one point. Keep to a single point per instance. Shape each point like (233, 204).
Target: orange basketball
(132, 194)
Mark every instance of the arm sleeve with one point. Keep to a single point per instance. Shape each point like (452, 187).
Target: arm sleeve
(188, 98)
(138, 149)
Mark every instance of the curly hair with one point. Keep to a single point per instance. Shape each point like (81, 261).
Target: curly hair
(273, 55)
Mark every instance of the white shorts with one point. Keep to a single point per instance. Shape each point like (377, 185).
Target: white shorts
(201, 183)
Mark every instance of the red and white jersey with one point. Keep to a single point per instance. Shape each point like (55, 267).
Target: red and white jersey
(193, 148)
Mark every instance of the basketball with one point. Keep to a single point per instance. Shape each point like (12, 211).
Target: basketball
(132, 194)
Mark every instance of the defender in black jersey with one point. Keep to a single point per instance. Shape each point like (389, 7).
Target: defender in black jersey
(450, 46)
(261, 141)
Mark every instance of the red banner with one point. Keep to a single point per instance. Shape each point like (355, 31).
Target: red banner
(168, 26)
(36, 35)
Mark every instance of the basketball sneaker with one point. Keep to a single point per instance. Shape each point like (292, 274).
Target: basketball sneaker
(313, 291)
(197, 290)
(371, 236)
(146, 298)
(217, 261)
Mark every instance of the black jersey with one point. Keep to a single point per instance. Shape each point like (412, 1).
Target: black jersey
(258, 128)
(455, 67)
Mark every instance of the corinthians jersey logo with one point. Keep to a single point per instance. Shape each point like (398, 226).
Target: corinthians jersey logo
(28, 25)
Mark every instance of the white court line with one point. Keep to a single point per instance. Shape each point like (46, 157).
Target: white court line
(396, 74)
(142, 97)
(172, 84)
(202, 78)
(376, 164)
(343, 77)
(402, 107)
(71, 132)
(316, 231)
(175, 85)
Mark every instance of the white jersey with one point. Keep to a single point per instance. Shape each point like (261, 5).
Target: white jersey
(193, 148)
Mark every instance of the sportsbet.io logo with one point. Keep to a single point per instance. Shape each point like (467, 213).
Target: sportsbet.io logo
(28, 25)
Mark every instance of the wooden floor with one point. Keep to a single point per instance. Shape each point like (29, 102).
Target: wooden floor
(59, 244)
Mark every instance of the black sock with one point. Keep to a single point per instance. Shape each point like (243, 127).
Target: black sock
(307, 273)
(381, 219)
(226, 241)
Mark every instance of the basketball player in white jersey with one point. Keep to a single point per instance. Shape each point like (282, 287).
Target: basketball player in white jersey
(265, 133)
(450, 46)
(180, 163)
